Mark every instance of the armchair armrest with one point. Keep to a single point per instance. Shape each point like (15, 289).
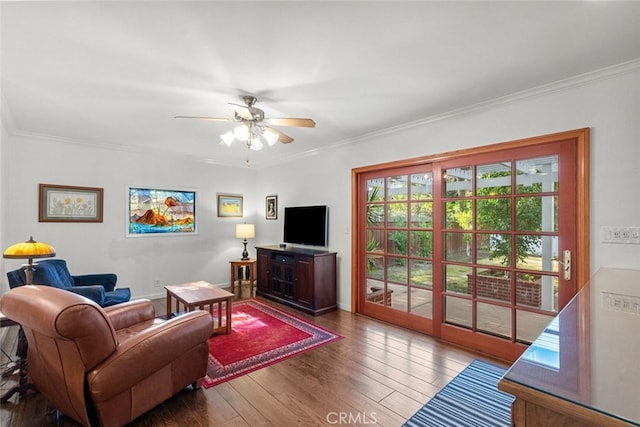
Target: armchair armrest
(106, 280)
(145, 353)
(130, 313)
(95, 293)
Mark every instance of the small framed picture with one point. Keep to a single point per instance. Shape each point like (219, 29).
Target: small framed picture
(271, 207)
(229, 206)
(65, 203)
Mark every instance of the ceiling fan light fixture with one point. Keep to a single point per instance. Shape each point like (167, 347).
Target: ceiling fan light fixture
(253, 128)
(227, 138)
(255, 144)
(270, 136)
(241, 132)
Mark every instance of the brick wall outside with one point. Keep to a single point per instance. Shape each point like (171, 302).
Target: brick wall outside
(527, 292)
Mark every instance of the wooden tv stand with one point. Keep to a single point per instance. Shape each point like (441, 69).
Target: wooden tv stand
(298, 277)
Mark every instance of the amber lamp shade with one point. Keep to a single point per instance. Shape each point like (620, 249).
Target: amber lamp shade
(29, 250)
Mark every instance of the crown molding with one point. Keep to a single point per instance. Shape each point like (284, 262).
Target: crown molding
(558, 86)
(554, 87)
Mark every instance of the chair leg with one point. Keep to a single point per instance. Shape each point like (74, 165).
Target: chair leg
(197, 384)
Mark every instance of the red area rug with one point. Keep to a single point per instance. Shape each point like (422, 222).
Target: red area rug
(261, 335)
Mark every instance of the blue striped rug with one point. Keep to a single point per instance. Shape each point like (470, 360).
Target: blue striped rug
(471, 399)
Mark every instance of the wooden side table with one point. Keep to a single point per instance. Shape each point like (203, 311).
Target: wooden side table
(251, 265)
(196, 295)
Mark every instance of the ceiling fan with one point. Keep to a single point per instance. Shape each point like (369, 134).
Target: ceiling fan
(254, 126)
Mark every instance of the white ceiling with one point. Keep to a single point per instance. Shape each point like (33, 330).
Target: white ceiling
(116, 73)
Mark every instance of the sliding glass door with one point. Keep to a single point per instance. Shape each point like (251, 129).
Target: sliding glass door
(478, 249)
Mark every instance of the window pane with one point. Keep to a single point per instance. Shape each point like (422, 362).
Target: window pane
(421, 302)
(494, 179)
(421, 215)
(458, 215)
(537, 253)
(376, 293)
(537, 291)
(457, 311)
(375, 190)
(421, 274)
(458, 247)
(375, 240)
(537, 213)
(375, 267)
(493, 284)
(457, 279)
(493, 249)
(537, 175)
(397, 297)
(422, 186)
(457, 182)
(375, 215)
(397, 242)
(493, 214)
(397, 188)
(397, 269)
(421, 242)
(397, 215)
(494, 319)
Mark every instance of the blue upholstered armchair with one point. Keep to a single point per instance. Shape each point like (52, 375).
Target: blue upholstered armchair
(100, 288)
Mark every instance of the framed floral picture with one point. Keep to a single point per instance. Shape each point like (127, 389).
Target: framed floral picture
(65, 203)
(271, 208)
(229, 206)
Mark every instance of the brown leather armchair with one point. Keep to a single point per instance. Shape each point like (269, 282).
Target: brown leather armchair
(109, 365)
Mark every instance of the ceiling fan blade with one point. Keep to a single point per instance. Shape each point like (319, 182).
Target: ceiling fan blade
(306, 123)
(214, 119)
(282, 137)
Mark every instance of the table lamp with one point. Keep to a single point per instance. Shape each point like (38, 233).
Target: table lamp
(245, 231)
(29, 250)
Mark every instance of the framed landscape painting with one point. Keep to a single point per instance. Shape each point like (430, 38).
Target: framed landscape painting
(229, 205)
(66, 203)
(153, 211)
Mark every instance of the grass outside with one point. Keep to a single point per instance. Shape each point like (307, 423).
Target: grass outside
(422, 272)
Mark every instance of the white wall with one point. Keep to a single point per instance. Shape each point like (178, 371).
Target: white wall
(104, 247)
(3, 184)
(607, 103)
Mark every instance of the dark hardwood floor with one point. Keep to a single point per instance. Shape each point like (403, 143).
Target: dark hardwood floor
(378, 374)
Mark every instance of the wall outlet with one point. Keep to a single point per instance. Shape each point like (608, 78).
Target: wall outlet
(156, 283)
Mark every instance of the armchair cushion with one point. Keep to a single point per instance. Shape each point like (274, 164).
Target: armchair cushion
(54, 272)
(94, 293)
(106, 280)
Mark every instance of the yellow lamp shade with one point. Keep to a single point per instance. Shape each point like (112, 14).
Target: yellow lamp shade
(29, 249)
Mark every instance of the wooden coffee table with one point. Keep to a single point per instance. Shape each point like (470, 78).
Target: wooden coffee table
(197, 295)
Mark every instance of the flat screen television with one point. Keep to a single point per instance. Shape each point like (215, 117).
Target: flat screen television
(306, 225)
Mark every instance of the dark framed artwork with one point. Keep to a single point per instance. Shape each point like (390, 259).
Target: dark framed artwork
(157, 212)
(271, 208)
(66, 203)
(230, 205)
